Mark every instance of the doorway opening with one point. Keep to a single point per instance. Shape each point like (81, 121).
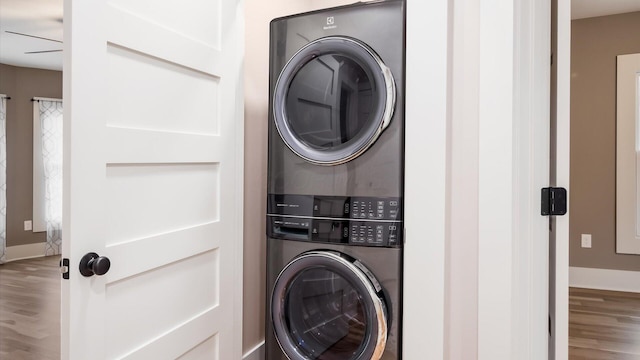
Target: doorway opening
(603, 286)
(31, 80)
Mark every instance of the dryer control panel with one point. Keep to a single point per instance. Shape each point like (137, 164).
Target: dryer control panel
(365, 221)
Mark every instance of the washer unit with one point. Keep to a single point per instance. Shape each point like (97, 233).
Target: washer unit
(335, 184)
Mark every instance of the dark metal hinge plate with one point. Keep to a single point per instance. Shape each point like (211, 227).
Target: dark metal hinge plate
(553, 201)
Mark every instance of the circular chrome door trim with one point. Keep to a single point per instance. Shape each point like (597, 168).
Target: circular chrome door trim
(383, 80)
(335, 260)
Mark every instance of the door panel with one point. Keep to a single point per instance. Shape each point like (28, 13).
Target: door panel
(152, 303)
(143, 95)
(142, 189)
(195, 19)
(202, 350)
(152, 158)
(133, 30)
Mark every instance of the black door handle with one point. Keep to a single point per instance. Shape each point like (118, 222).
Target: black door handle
(92, 264)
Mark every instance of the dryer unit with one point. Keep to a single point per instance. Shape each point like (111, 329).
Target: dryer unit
(335, 184)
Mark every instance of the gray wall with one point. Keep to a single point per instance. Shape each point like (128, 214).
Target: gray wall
(22, 84)
(595, 43)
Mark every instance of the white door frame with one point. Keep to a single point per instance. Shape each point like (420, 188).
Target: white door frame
(508, 61)
(563, 58)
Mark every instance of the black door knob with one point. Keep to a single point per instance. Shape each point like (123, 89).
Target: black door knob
(92, 264)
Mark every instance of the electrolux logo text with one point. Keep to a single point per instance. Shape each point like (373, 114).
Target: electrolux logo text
(330, 23)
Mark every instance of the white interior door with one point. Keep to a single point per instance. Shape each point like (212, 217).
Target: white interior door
(153, 179)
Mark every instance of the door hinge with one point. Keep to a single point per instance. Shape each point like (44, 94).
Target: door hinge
(64, 268)
(554, 201)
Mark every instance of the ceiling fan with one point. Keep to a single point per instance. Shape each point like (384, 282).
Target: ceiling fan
(36, 37)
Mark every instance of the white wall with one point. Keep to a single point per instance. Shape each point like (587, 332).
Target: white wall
(426, 122)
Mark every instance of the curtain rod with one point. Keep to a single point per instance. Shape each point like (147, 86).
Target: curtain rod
(4, 96)
(36, 98)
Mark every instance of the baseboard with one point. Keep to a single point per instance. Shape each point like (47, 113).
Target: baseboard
(604, 279)
(257, 353)
(20, 252)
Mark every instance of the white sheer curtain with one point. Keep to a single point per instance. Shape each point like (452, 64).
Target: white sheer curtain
(3, 179)
(51, 125)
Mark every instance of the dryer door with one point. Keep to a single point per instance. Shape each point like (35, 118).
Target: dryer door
(325, 305)
(332, 100)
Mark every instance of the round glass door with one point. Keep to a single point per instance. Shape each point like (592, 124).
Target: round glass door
(325, 307)
(332, 100)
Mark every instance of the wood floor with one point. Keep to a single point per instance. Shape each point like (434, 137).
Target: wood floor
(30, 309)
(603, 324)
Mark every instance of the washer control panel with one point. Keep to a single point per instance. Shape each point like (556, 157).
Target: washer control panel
(364, 221)
(373, 233)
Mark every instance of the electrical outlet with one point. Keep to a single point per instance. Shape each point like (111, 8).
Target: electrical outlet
(28, 225)
(586, 240)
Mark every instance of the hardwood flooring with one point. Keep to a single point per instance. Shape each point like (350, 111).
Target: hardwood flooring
(30, 309)
(603, 325)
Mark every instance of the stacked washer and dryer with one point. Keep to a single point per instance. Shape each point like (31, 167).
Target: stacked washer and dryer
(335, 184)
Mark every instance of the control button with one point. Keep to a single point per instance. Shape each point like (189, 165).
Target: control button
(393, 203)
(374, 241)
(393, 234)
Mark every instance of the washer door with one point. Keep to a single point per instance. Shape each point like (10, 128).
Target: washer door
(327, 306)
(332, 100)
